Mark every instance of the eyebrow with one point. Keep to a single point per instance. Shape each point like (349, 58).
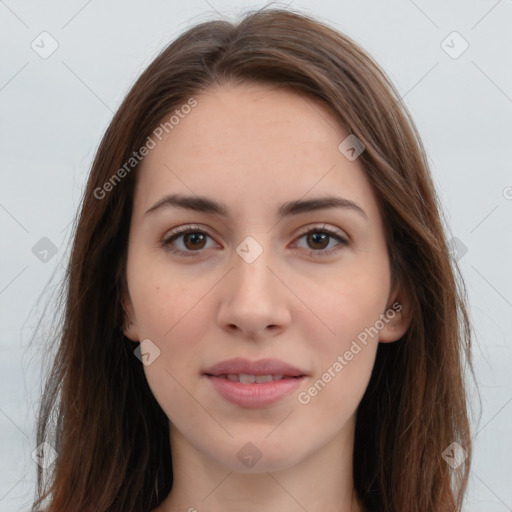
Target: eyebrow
(207, 205)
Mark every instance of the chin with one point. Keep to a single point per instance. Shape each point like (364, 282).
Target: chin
(259, 456)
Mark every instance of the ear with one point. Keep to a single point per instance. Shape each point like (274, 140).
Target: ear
(397, 317)
(130, 329)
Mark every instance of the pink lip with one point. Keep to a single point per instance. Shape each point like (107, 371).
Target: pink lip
(254, 394)
(260, 367)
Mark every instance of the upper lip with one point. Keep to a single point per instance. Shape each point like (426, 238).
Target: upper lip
(260, 367)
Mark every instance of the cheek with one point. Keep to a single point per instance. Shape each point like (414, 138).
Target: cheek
(175, 319)
(178, 327)
(164, 298)
(351, 305)
(335, 395)
(175, 316)
(346, 349)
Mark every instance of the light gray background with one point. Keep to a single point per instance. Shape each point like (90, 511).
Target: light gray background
(55, 110)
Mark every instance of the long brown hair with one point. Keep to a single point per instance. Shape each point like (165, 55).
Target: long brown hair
(111, 436)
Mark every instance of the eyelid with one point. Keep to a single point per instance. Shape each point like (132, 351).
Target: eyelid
(322, 226)
(183, 229)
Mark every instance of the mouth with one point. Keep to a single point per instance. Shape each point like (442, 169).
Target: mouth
(254, 384)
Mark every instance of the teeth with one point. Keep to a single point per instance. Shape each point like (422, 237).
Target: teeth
(246, 378)
(263, 378)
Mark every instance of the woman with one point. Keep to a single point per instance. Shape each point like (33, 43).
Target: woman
(261, 312)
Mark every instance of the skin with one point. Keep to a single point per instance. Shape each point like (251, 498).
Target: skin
(254, 147)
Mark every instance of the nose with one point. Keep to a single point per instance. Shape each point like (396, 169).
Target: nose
(255, 299)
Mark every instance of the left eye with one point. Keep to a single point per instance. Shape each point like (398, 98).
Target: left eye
(319, 237)
(194, 241)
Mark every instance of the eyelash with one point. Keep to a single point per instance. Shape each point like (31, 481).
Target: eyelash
(183, 230)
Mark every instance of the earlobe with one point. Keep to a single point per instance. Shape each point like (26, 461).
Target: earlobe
(397, 318)
(131, 332)
(130, 327)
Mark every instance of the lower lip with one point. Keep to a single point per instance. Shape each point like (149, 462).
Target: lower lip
(253, 394)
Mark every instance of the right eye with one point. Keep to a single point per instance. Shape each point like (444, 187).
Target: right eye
(193, 240)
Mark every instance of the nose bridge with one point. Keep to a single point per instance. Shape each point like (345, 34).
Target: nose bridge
(252, 299)
(253, 257)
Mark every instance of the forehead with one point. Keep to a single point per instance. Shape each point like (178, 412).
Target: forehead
(260, 140)
(254, 119)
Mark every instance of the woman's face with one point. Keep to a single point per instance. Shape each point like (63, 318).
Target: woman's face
(260, 280)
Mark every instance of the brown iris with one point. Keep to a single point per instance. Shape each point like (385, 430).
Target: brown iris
(315, 238)
(195, 238)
